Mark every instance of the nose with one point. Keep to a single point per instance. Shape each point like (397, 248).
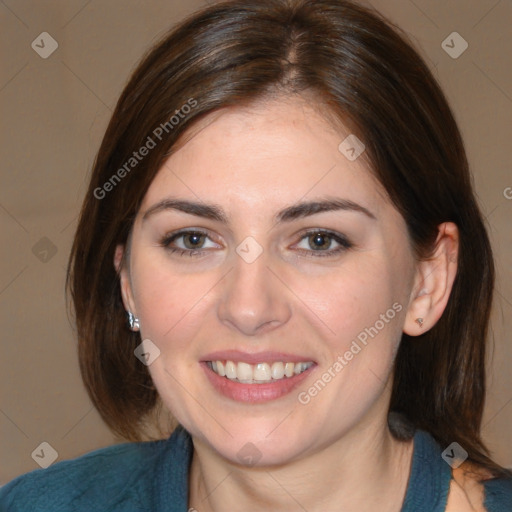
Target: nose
(253, 300)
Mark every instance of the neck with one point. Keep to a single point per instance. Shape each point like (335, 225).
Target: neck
(365, 470)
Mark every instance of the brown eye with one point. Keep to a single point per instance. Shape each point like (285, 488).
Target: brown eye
(193, 240)
(319, 241)
(189, 243)
(323, 243)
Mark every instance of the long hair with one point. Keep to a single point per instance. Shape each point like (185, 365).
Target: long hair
(363, 71)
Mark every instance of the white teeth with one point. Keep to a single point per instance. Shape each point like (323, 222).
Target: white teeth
(259, 373)
(278, 370)
(230, 368)
(262, 372)
(244, 372)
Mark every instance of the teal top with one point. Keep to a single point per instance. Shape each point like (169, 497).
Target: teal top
(153, 476)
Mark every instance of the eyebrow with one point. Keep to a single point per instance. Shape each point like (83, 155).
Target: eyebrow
(290, 213)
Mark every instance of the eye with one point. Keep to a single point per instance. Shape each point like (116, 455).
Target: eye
(319, 242)
(315, 243)
(190, 242)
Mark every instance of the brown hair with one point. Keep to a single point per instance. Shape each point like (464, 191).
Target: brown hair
(357, 65)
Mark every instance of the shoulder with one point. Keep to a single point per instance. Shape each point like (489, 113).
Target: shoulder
(120, 477)
(475, 488)
(436, 485)
(498, 494)
(92, 477)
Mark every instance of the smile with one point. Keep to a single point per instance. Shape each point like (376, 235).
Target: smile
(257, 382)
(260, 373)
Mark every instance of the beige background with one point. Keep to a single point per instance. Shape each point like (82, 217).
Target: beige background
(53, 115)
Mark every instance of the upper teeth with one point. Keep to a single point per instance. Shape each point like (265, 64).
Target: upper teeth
(261, 372)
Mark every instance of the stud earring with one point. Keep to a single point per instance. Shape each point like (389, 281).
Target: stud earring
(133, 322)
(419, 321)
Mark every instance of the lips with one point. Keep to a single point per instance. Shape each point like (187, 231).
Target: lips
(254, 357)
(257, 377)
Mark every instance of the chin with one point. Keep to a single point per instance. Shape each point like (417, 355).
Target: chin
(258, 442)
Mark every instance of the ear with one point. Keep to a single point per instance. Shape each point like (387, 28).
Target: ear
(121, 266)
(433, 282)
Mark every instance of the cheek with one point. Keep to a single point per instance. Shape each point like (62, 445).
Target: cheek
(363, 312)
(348, 301)
(166, 300)
(363, 316)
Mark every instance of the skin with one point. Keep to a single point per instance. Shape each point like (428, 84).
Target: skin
(335, 452)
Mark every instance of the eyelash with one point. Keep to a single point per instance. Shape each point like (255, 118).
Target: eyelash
(344, 243)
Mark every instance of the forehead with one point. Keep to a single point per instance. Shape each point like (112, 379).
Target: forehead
(265, 155)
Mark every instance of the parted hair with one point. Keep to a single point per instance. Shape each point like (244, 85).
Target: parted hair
(365, 73)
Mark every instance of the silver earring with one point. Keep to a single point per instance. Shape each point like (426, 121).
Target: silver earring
(133, 322)
(419, 321)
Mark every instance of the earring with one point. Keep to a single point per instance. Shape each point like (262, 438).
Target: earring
(133, 322)
(419, 321)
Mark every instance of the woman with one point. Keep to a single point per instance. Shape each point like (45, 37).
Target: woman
(280, 244)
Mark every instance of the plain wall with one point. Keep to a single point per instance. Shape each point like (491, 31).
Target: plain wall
(54, 112)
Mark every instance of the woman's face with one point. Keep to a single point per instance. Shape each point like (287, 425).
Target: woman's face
(296, 256)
